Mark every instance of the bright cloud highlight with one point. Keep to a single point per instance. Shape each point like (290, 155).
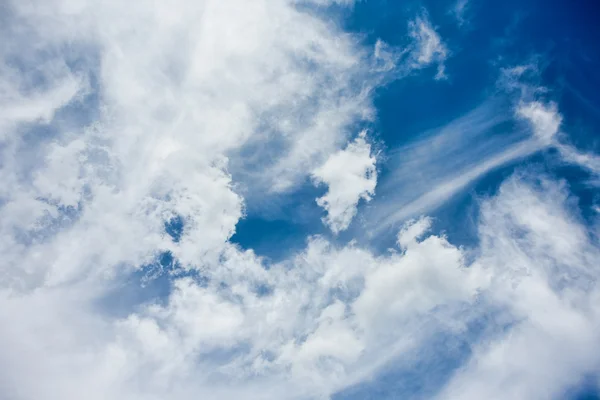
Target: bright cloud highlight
(350, 175)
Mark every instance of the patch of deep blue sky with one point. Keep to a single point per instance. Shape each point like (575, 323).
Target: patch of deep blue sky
(562, 35)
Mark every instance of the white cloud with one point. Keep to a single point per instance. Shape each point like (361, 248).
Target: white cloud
(120, 118)
(541, 262)
(350, 175)
(412, 231)
(334, 316)
(543, 115)
(429, 47)
(177, 94)
(440, 164)
(459, 10)
(544, 118)
(571, 154)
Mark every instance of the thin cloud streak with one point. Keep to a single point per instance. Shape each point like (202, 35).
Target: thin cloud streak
(448, 188)
(426, 173)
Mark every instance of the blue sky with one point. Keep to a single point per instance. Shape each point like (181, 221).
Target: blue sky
(316, 199)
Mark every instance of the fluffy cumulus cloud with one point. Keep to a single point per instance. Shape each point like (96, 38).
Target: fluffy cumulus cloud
(350, 175)
(544, 118)
(130, 137)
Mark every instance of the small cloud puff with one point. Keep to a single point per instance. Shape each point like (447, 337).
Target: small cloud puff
(413, 230)
(545, 119)
(458, 11)
(351, 175)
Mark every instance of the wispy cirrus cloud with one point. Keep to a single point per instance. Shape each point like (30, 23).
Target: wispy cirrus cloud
(545, 351)
(544, 116)
(435, 167)
(447, 160)
(459, 9)
(428, 46)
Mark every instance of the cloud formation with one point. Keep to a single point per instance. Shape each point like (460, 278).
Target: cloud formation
(459, 9)
(332, 316)
(429, 47)
(121, 123)
(544, 118)
(350, 175)
(438, 165)
(450, 158)
(544, 277)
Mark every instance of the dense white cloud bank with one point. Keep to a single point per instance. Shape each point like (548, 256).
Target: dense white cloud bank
(331, 317)
(118, 120)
